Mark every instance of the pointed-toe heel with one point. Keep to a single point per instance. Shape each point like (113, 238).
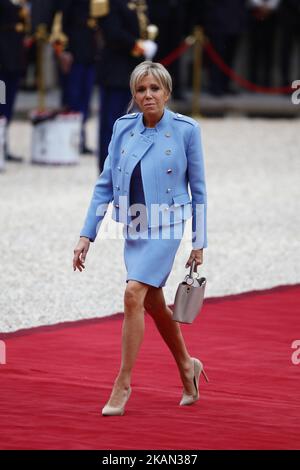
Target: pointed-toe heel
(198, 370)
(116, 410)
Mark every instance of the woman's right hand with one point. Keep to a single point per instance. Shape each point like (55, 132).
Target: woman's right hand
(80, 253)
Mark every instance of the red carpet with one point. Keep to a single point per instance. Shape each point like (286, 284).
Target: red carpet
(57, 379)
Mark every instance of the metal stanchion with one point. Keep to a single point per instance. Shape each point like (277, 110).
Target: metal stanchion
(56, 135)
(197, 67)
(41, 38)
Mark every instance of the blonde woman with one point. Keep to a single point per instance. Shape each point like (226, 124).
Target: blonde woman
(153, 156)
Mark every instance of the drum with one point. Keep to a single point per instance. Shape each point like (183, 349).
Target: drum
(56, 138)
(2, 142)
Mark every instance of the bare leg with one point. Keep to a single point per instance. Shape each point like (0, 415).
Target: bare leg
(170, 331)
(132, 337)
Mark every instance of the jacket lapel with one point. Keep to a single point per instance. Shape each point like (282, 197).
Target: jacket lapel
(139, 147)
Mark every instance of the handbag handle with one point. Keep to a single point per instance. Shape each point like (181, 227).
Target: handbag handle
(189, 278)
(192, 268)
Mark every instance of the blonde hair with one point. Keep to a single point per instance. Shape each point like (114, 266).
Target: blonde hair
(146, 68)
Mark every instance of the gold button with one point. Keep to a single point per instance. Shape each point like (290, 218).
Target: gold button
(19, 27)
(91, 23)
(131, 6)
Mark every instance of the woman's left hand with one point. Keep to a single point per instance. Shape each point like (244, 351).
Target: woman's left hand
(196, 255)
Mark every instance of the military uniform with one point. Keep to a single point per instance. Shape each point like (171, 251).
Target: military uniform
(121, 29)
(262, 33)
(12, 53)
(77, 84)
(224, 21)
(170, 20)
(42, 12)
(289, 16)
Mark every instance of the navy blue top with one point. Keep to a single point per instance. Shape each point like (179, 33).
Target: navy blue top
(136, 186)
(136, 183)
(137, 195)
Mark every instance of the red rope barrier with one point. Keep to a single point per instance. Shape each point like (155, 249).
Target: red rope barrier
(170, 58)
(217, 59)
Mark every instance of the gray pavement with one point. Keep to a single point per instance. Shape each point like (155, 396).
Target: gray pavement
(252, 169)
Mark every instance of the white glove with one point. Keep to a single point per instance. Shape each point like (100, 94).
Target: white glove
(150, 48)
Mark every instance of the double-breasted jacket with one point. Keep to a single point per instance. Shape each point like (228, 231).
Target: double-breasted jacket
(172, 169)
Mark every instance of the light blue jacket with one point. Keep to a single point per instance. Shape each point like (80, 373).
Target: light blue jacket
(168, 165)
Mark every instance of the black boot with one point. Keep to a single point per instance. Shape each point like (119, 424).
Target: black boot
(86, 151)
(12, 158)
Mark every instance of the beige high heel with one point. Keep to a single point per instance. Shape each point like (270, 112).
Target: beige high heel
(116, 410)
(198, 369)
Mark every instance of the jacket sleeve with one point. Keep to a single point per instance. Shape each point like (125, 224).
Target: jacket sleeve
(116, 35)
(102, 196)
(196, 177)
(66, 9)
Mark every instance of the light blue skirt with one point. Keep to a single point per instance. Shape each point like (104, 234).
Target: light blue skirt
(149, 256)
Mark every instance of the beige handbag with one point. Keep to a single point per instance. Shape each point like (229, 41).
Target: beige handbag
(189, 297)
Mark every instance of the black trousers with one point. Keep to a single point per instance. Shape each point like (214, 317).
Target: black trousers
(226, 46)
(290, 37)
(261, 50)
(11, 81)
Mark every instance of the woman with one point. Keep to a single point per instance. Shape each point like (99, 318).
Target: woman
(152, 157)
